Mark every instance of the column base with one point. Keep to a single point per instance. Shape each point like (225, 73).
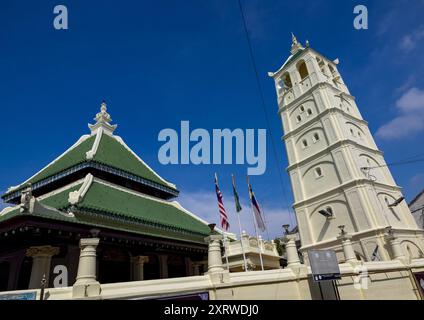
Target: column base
(219, 277)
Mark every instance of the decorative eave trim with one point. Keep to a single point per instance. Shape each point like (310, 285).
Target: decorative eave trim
(91, 153)
(81, 209)
(95, 165)
(76, 144)
(76, 196)
(288, 62)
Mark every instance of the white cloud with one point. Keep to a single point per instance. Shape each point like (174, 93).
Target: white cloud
(410, 119)
(204, 204)
(410, 41)
(412, 100)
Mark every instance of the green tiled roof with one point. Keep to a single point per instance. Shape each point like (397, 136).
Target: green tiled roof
(110, 152)
(103, 198)
(57, 201)
(107, 207)
(69, 159)
(114, 154)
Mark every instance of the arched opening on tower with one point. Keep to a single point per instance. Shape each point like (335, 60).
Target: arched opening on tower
(302, 69)
(332, 70)
(287, 81)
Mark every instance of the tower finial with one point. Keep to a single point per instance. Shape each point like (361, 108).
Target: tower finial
(103, 106)
(296, 45)
(103, 120)
(294, 39)
(103, 116)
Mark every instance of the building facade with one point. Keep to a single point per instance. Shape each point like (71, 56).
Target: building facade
(339, 177)
(98, 188)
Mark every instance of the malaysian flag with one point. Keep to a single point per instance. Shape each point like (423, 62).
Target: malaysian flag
(256, 209)
(224, 218)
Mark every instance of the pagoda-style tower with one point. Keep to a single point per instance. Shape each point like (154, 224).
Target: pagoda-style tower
(98, 187)
(338, 175)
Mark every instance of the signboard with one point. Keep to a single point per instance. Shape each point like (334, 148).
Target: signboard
(19, 296)
(419, 277)
(324, 265)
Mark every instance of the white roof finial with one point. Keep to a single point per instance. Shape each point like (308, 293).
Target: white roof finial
(294, 39)
(103, 120)
(296, 45)
(103, 106)
(103, 116)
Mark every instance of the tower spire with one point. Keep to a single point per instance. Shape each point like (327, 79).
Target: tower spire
(296, 45)
(103, 120)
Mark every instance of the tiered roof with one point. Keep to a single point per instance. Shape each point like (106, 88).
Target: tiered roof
(101, 182)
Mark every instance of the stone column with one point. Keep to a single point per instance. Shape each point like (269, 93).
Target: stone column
(15, 269)
(189, 266)
(214, 253)
(163, 266)
(196, 269)
(291, 251)
(87, 284)
(395, 246)
(139, 262)
(41, 261)
(348, 251)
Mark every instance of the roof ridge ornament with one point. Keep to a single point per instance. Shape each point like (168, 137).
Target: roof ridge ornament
(296, 45)
(103, 120)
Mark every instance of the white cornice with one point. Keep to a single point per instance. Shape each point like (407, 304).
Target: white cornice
(339, 143)
(301, 98)
(344, 186)
(319, 117)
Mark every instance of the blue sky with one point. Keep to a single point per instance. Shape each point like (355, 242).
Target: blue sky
(157, 63)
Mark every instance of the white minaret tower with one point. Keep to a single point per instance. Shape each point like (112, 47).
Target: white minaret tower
(338, 175)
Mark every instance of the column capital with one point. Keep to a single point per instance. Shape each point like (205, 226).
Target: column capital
(213, 238)
(141, 259)
(344, 237)
(42, 251)
(290, 237)
(89, 242)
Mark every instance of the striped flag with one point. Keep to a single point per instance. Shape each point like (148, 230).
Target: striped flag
(236, 197)
(256, 210)
(224, 218)
(375, 256)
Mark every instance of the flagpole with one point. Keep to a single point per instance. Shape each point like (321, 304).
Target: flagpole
(241, 237)
(254, 224)
(224, 235)
(225, 251)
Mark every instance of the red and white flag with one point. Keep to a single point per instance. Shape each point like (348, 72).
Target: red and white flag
(225, 225)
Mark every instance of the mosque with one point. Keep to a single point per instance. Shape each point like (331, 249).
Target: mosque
(104, 213)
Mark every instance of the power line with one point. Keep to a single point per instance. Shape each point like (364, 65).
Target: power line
(264, 107)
